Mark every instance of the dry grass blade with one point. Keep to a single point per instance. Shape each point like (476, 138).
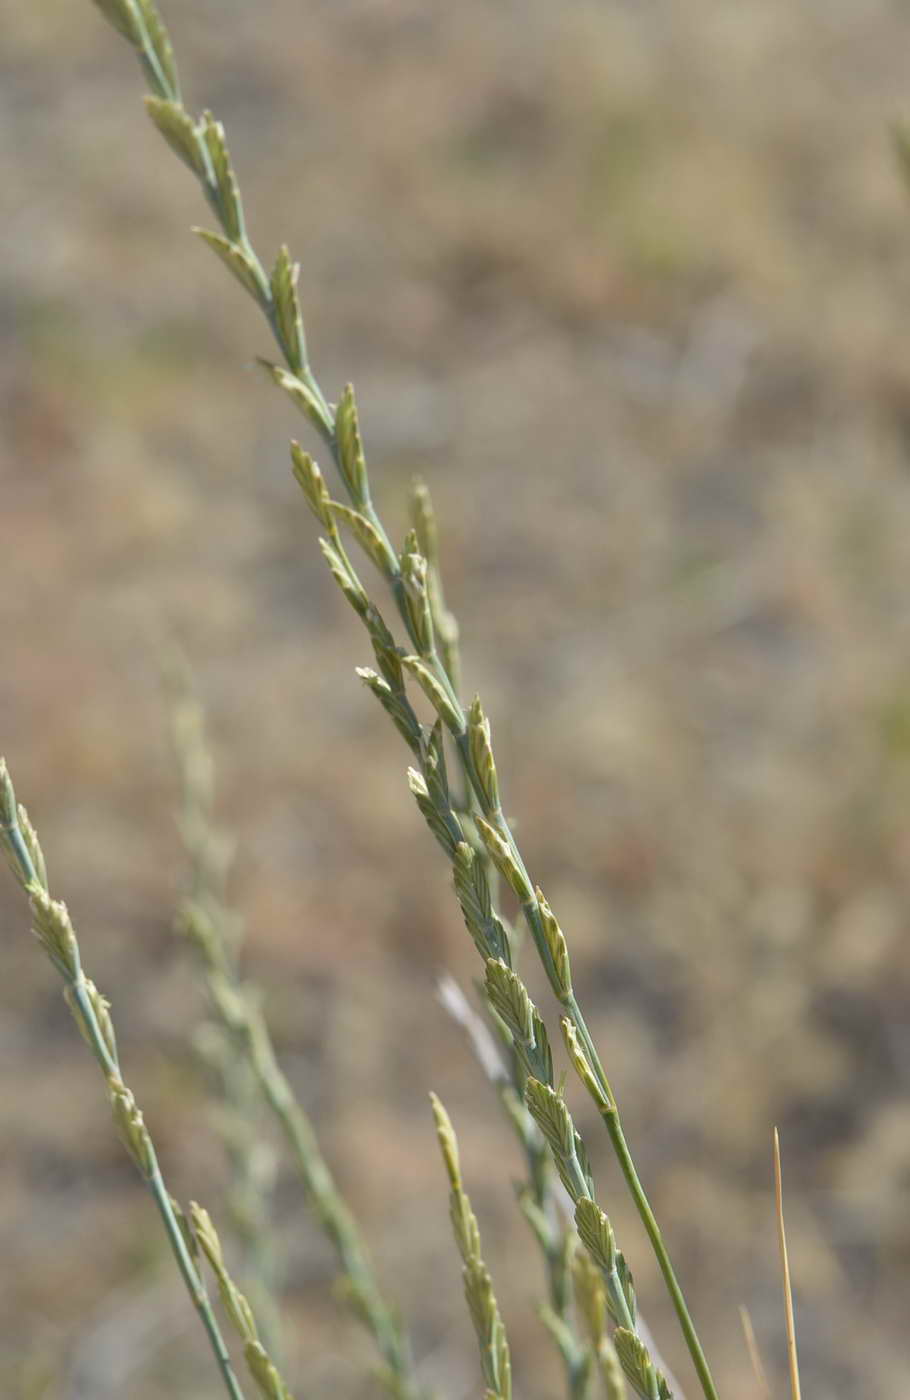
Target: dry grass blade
(792, 1359)
(758, 1369)
(214, 930)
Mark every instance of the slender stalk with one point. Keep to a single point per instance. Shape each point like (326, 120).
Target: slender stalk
(611, 1119)
(206, 922)
(334, 1216)
(55, 932)
(758, 1370)
(792, 1357)
(212, 929)
(646, 1214)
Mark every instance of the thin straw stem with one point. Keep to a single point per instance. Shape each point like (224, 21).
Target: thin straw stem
(758, 1370)
(792, 1358)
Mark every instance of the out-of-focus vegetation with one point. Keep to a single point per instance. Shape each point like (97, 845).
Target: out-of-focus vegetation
(628, 286)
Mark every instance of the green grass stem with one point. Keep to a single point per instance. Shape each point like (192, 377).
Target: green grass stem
(55, 932)
(212, 929)
(215, 932)
(613, 1124)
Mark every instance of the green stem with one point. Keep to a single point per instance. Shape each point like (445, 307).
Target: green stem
(194, 1285)
(642, 1204)
(154, 1179)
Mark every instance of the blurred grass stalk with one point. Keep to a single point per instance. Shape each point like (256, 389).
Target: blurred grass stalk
(216, 933)
(470, 838)
(213, 931)
(53, 929)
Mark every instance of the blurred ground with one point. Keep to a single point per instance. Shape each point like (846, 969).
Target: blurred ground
(629, 286)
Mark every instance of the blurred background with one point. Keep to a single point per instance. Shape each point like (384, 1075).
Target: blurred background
(628, 285)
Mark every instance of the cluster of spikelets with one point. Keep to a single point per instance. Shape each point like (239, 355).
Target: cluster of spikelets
(591, 1309)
